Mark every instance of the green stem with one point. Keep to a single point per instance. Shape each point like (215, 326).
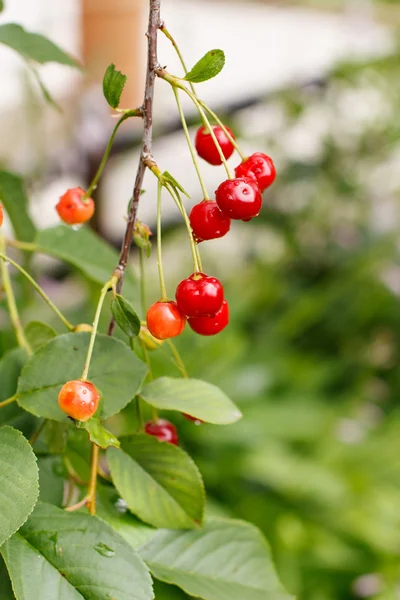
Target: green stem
(131, 113)
(22, 245)
(223, 127)
(37, 433)
(8, 401)
(37, 287)
(195, 251)
(94, 465)
(103, 293)
(178, 359)
(142, 281)
(159, 252)
(139, 414)
(175, 45)
(190, 144)
(12, 305)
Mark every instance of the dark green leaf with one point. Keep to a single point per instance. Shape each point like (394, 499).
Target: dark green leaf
(6, 592)
(55, 435)
(10, 369)
(12, 195)
(86, 251)
(51, 480)
(168, 177)
(207, 67)
(60, 555)
(98, 434)
(226, 560)
(34, 46)
(115, 371)
(159, 482)
(112, 509)
(193, 397)
(19, 481)
(113, 85)
(38, 334)
(125, 316)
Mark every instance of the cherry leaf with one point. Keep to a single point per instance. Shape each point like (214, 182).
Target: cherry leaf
(207, 67)
(113, 85)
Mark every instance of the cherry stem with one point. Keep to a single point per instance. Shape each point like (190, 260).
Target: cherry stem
(22, 245)
(110, 284)
(8, 401)
(164, 296)
(34, 437)
(178, 359)
(37, 287)
(12, 305)
(138, 112)
(78, 505)
(94, 465)
(142, 281)
(203, 104)
(195, 251)
(190, 144)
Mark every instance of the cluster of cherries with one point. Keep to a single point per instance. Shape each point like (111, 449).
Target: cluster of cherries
(200, 298)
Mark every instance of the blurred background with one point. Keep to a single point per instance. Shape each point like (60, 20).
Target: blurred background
(312, 351)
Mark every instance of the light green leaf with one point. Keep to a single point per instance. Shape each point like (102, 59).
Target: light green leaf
(19, 481)
(113, 85)
(193, 397)
(207, 67)
(98, 434)
(12, 195)
(114, 511)
(38, 334)
(10, 369)
(34, 46)
(125, 316)
(159, 482)
(69, 556)
(114, 370)
(86, 251)
(168, 177)
(6, 592)
(226, 560)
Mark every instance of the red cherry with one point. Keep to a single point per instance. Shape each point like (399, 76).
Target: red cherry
(239, 198)
(195, 420)
(208, 150)
(163, 430)
(260, 167)
(79, 399)
(73, 208)
(207, 221)
(165, 320)
(211, 325)
(1, 214)
(200, 295)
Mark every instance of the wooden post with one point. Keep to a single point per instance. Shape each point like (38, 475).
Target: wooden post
(113, 31)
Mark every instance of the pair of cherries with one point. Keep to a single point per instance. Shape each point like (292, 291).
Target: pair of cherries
(239, 198)
(199, 301)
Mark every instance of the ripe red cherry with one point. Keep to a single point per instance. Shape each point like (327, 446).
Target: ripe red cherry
(239, 198)
(260, 167)
(211, 325)
(1, 214)
(73, 208)
(79, 399)
(199, 295)
(163, 430)
(207, 149)
(207, 221)
(165, 320)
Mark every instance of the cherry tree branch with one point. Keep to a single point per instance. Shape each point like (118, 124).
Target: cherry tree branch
(146, 156)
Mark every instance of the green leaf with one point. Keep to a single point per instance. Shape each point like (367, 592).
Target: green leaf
(51, 479)
(10, 369)
(19, 481)
(193, 397)
(86, 251)
(1, 5)
(113, 85)
(115, 371)
(6, 592)
(226, 560)
(44, 89)
(98, 434)
(159, 482)
(207, 67)
(12, 195)
(34, 46)
(168, 177)
(111, 508)
(60, 555)
(38, 334)
(125, 316)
